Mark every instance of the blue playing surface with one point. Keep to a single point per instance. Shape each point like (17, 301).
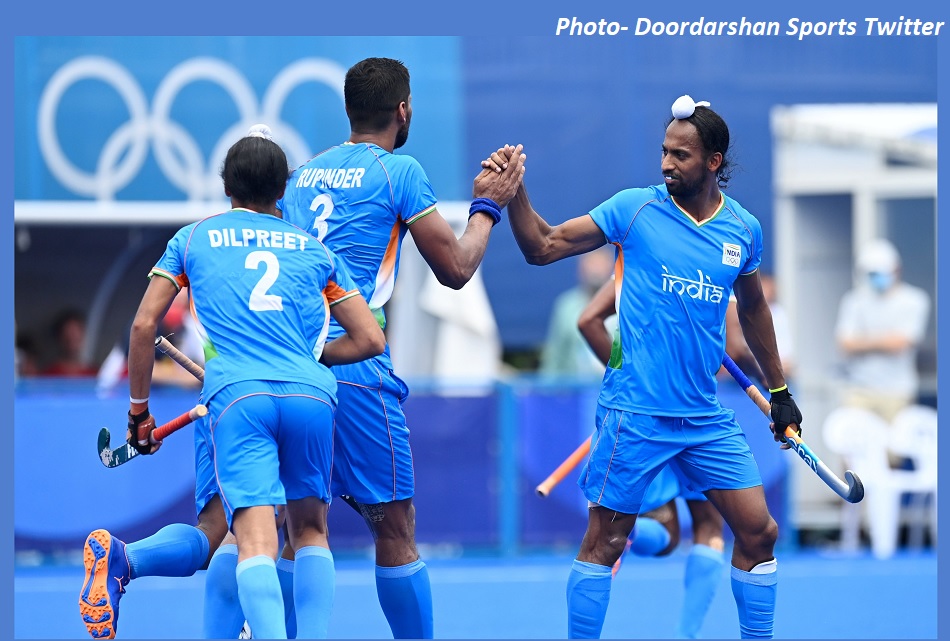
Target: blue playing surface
(822, 595)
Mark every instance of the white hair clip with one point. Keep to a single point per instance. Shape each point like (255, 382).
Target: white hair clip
(683, 107)
(260, 131)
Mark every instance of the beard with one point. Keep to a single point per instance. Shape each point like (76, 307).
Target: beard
(683, 189)
(402, 136)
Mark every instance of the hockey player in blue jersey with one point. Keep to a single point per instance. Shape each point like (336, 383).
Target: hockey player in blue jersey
(681, 246)
(262, 292)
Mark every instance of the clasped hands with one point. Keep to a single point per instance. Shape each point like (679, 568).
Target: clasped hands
(501, 175)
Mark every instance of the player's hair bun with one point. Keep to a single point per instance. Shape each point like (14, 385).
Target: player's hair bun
(260, 131)
(684, 107)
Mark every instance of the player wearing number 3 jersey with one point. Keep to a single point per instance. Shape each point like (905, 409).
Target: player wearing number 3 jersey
(361, 199)
(365, 220)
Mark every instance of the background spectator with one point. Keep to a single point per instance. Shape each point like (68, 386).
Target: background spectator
(69, 333)
(179, 327)
(881, 323)
(565, 351)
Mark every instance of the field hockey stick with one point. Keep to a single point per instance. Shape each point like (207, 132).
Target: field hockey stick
(125, 452)
(114, 458)
(851, 491)
(163, 345)
(564, 469)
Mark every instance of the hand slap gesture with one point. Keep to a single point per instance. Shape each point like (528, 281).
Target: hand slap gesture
(499, 180)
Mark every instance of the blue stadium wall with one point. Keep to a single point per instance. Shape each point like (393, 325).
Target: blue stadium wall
(477, 459)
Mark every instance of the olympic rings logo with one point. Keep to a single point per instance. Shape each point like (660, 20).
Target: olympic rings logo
(176, 151)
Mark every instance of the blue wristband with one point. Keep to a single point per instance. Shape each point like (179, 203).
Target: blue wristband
(486, 206)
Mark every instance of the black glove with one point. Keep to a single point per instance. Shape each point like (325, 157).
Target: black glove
(784, 411)
(139, 435)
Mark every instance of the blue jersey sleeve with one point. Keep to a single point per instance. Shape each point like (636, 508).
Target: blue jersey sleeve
(615, 215)
(414, 196)
(172, 263)
(755, 251)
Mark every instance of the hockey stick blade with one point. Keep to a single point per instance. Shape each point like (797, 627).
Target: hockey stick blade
(114, 457)
(851, 490)
(124, 453)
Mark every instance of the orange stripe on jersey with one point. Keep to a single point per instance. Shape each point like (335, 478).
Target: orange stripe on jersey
(206, 345)
(385, 279)
(181, 280)
(388, 264)
(336, 294)
(618, 276)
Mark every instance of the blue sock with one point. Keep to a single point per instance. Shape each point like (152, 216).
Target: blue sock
(314, 580)
(701, 578)
(175, 550)
(406, 598)
(649, 537)
(588, 593)
(259, 591)
(755, 599)
(285, 574)
(223, 617)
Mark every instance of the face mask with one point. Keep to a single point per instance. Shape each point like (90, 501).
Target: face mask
(880, 281)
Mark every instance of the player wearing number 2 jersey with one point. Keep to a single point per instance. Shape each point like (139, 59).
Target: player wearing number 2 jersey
(262, 292)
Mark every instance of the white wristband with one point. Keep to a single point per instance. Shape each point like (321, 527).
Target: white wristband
(138, 400)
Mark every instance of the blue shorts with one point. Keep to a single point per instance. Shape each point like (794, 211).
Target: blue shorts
(271, 442)
(628, 450)
(372, 459)
(666, 487)
(206, 485)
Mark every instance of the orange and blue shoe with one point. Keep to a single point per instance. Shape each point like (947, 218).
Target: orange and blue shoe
(107, 574)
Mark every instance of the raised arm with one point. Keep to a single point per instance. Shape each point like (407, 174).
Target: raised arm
(454, 260)
(543, 244)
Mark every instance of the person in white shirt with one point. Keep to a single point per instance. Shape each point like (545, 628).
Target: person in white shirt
(881, 323)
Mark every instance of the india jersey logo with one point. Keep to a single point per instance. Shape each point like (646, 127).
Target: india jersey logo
(731, 254)
(700, 289)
